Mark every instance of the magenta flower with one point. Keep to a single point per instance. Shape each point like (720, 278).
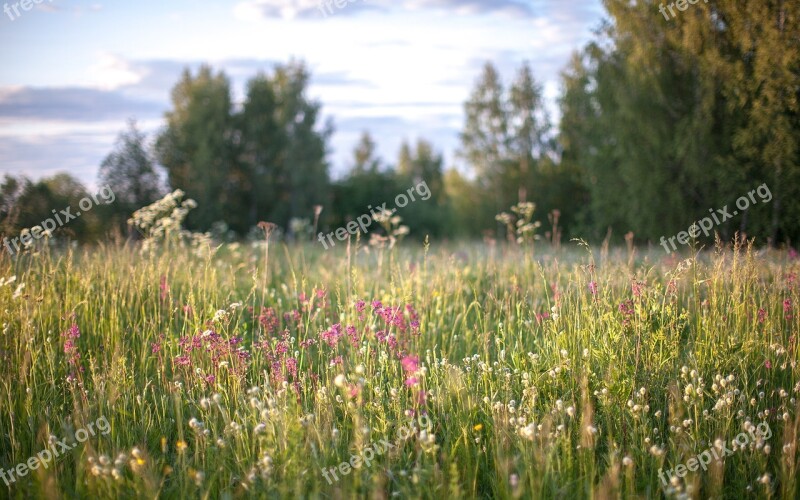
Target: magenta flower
(70, 345)
(269, 320)
(331, 335)
(352, 334)
(593, 287)
(291, 367)
(637, 287)
(410, 364)
(164, 287)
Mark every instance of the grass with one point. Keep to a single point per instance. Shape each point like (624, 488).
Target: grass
(549, 373)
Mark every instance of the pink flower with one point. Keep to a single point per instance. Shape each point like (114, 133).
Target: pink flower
(411, 381)
(637, 287)
(672, 287)
(70, 346)
(352, 334)
(593, 287)
(164, 287)
(331, 335)
(768, 365)
(291, 367)
(353, 391)
(410, 364)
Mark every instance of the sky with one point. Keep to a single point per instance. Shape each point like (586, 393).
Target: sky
(74, 72)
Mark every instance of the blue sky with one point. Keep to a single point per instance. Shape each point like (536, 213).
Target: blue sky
(73, 72)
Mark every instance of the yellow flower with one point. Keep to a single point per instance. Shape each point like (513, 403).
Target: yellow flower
(181, 445)
(477, 427)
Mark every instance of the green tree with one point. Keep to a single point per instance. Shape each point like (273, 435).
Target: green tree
(197, 149)
(423, 164)
(485, 139)
(262, 142)
(129, 170)
(530, 143)
(302, 159)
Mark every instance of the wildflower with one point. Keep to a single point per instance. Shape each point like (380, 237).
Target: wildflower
(182, 360)
(164, 287)
(637, 287)
(410, 363)
(593, 287)
(340, 380)
(180, 446)
(70, 347)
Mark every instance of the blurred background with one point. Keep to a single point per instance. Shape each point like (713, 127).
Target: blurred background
(616, 119)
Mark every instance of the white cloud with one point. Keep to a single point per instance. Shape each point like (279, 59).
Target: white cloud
(290, 9)
(286, 9)
(112, 72)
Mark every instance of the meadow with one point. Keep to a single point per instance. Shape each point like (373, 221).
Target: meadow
(482, 370)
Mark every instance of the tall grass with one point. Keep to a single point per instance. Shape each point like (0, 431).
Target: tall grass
(566, 373)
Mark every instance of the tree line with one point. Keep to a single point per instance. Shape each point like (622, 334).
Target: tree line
(660, 121)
